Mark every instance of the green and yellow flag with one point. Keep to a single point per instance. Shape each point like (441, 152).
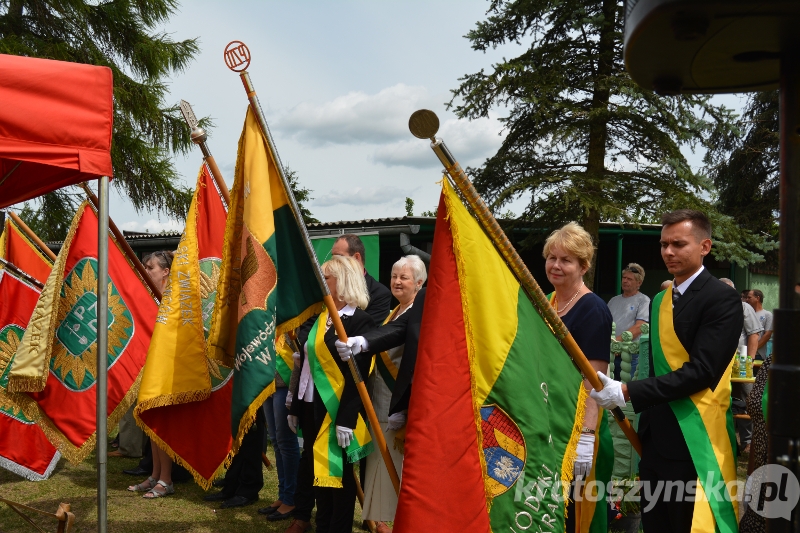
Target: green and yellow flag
(497, 406)
(706, 421)
(267, 284)
(329, 457)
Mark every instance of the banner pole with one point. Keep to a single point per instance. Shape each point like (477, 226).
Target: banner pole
(132, 257)
(32, 236)
(424, 124)
(234, 58)
(199, 137)
(102, 357)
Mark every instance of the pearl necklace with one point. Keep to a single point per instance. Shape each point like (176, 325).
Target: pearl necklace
(559, 311)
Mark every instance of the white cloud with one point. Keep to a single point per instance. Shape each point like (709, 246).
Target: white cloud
(362, 196)
(152, 226)
(469, 141)
(356, 117)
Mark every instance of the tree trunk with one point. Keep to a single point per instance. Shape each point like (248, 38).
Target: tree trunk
(598, 127)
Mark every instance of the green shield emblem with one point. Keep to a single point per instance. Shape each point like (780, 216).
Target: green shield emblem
(74, 357)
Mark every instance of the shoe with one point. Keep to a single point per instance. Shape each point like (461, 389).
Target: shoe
(117, 453)
(138, 471)
(298, 526)
(381, 527)
(217, 497)
(161, 490)
(236, 501)
(277, 517)
(220, 482)
(269, 510)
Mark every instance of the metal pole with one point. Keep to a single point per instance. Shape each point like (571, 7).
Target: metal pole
(380, 441)
(783, 424)
(618, 283)
(102, 356)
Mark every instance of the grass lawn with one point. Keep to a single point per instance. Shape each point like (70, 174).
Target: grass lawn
(128, 512)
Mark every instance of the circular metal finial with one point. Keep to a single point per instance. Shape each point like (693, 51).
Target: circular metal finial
(199, 135)
(237, 56)
(423, 124)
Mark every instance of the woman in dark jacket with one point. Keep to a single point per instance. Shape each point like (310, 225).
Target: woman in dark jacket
(326, 387)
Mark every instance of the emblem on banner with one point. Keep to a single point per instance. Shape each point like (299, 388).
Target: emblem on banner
(74, 359)
(10, 337)
(503, 450)
(237, 56)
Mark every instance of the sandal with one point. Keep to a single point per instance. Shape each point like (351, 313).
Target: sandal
(144, 486)
(155, 493)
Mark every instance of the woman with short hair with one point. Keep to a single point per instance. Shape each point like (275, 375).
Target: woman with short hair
(327, 407)
(568, 254)
(380, 499)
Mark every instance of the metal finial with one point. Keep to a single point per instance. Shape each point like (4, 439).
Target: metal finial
(423, 124)
(237, 56)
(199, 135)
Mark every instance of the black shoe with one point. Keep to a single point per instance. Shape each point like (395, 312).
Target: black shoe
(220, 482)
(269, 510)
(217, 497)
(276, 516)
(137, 472)
(236, 501)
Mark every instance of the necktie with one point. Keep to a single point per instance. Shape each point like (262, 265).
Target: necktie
(675, 296)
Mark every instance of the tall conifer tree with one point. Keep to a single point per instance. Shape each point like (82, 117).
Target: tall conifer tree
(123, 35)
(583, 140)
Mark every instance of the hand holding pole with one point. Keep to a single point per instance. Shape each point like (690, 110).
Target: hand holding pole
(424, 124)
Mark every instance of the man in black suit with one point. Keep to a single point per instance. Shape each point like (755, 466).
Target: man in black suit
(707, 320)
(380, 298)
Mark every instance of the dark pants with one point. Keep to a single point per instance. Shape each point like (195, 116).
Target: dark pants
(664, 516)
(304, 499)
(245, 475)
(287, 452)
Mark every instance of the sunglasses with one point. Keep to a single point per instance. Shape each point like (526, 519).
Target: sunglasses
(633, 270)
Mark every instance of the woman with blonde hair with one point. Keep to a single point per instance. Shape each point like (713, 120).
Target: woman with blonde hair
(568, 254)
(327, 407)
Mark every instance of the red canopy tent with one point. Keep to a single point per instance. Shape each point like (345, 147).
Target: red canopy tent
(55, 125)
(55, 130)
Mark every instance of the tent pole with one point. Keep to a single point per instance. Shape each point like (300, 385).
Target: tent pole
(102, 357)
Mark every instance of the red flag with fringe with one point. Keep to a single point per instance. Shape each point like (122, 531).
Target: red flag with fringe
(24, 448)
(15, 247)
(54, 371)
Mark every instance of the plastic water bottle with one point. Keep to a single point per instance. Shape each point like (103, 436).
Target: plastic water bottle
(749, 365)
(742, 361)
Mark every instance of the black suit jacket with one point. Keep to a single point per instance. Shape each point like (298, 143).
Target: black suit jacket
(380, 300)
(350, 403)
(404, 330)
(707, 320)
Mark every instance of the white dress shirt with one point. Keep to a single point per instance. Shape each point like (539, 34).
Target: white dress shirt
(683, 287)
(305, 391)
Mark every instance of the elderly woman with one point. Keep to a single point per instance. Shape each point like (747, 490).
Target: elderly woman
(159, 483)
(327, 407)
(568, 255)
(380, 499)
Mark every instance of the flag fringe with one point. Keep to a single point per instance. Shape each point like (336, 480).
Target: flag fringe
(165, 400)
(328, 481)
(248, 417)
(470, 346)
(299, 320)
(18, 384)
(571, 452)
(27, 473)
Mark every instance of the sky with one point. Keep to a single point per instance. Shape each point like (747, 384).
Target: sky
(337, 82)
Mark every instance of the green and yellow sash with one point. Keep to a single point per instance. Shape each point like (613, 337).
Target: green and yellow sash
(706, 421)
(383, 362)
(329, 382)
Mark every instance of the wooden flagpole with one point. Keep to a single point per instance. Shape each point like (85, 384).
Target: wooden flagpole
(424, 124)
(32, 236)
(132, 257)
(199, 137)
(237, 57)
(18, 272)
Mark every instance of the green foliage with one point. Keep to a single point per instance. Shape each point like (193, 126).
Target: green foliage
(409, 207)
(123, 35)
(301, 195)
(583, 140)
(432, 213)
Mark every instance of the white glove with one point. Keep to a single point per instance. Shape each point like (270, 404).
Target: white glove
(344, 436)
(583, 461)
(296, 356)
(293, 422)
(611, 396)
(353, 346)
(396, 421)
(289, 397)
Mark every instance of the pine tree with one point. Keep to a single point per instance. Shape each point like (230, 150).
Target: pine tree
(122, 35)
(583, 140)
(301, 195)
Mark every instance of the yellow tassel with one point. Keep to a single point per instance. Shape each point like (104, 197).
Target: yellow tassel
(571, 452)
(328, 481)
